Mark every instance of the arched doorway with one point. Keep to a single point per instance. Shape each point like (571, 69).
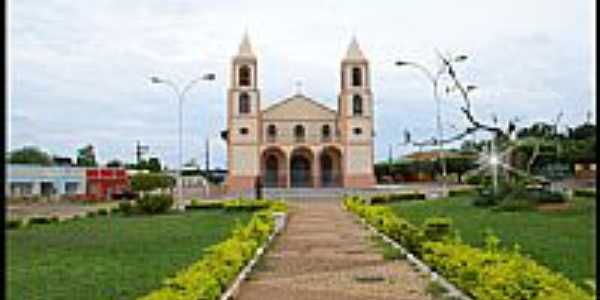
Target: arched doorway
(273, 168)
(330, 162)
(301, 168)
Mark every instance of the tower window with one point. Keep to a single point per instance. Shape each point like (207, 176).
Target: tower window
(271, 131)
(243, 131)
(357, 130)
(244, 103)
(357, 105)
(326, 130)
(244, 76)
(356, 76)
(299, 133)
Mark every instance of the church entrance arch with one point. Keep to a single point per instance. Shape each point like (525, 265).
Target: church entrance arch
(301, 161)
(273, 165)
(330, 163)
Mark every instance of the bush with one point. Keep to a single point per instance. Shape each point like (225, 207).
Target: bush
(91, 214)
(14, 224)
(205, 205)
(545, 196)
(462, 192)
(39, 220)
(406, 196)
(379, 199)
(584, 193)
(210, 276)
(126, 207)
(103, 212)
(246, 205)
(436, 229)
(154, 204)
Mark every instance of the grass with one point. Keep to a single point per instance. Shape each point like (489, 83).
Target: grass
(109, 258)
(564, 241)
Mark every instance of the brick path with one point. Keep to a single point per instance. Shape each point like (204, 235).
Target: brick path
(325, 254)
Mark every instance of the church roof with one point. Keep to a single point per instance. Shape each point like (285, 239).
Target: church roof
(245, 48)
(354, 51)
(298, 107)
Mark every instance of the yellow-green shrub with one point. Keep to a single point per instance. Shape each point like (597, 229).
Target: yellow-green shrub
(495, 274)
(210, 276)
(490, 273)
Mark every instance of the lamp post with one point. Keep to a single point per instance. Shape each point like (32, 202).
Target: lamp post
(434, 78)
(180, 93)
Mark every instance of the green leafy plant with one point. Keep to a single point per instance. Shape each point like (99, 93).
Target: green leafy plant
(154, 204)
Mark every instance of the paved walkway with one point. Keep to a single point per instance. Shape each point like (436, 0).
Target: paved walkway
(324, 253)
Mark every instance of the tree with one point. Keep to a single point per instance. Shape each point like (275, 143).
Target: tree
(460, 165)
(539, 130)
(115, 163)
(582, 132)
(86, 156)
(154, 165)
(149, 182)
(29, 155)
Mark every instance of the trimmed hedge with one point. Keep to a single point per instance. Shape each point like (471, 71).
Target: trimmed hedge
(240, 204)
(40, 220)
(462, 192)
(485, 274)
(14, 224)
(205, 205)
(387, 198)
(209, 277)
(584, 193)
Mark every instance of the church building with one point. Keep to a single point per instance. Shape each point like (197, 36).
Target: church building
(298, 141)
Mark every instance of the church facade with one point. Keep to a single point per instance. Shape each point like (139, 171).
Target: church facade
(299, 142)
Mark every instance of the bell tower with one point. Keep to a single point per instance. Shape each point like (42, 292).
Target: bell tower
(243, 120)
(355, 108)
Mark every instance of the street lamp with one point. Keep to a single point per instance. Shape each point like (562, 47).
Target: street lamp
(180, 98)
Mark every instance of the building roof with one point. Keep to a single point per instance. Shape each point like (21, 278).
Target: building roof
(433, 155)
(299, 107)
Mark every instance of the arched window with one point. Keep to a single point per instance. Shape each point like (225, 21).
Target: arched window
(299, 133)
(357, 105)
(356, 76)
(271, 132)
(326, 132)
(244, 103)
(244, 75)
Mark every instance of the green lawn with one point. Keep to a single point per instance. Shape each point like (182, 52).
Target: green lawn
(109, 257)
(563, 241)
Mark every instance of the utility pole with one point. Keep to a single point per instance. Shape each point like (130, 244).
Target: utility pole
(139, 151)
(207, 153)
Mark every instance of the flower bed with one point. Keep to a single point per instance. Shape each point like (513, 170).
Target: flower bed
(209, 277)
(490, 273)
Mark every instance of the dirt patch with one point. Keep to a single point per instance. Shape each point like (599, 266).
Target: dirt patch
(553, 207)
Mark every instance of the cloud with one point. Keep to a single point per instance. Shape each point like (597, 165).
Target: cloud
(78, 72)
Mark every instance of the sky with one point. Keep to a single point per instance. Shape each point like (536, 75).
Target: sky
(78, 71)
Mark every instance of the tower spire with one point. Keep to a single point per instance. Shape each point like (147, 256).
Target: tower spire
(245, 46)
(354, 51)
